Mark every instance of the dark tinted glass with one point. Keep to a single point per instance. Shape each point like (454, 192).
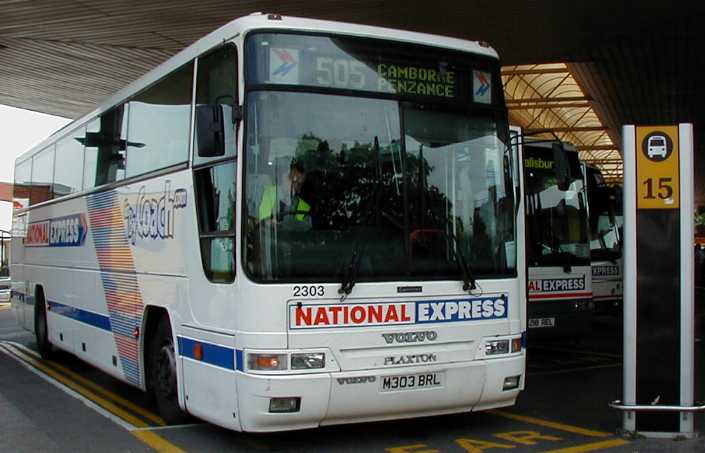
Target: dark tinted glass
(215, 203)
(105, 145)
(556, 215)
(42, 176)
(216, 94)
(410, 71)
(23, 182)
(400, 189)
(69, 158)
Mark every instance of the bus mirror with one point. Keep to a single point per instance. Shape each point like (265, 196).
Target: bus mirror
(562, 166)
(210, 130)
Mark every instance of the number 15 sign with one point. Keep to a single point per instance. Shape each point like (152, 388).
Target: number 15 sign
(657, 174)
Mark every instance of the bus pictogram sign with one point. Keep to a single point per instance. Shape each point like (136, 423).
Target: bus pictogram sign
(657, 174)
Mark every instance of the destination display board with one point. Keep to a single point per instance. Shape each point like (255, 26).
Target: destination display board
(372, 66)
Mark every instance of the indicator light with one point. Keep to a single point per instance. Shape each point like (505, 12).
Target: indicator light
(516, 344)
(197, 351)
(266, 362)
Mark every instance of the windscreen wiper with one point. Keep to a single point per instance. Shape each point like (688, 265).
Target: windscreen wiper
(350, 277)
(469, 282)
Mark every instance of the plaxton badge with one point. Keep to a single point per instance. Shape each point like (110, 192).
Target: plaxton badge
(410, 359)
(315, 316)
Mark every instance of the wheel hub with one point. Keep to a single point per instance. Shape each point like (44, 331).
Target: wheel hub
(166, 373)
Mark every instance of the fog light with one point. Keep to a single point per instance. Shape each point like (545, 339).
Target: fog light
(496, 347)
(308, 361)
(281, 405)
(266, 362)
(511, 382)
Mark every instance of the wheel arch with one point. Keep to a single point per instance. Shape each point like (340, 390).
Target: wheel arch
(153, 315)
(150, 320)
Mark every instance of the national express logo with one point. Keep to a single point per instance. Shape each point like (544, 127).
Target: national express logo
(557, 284)
(315, 316)
(68, 231)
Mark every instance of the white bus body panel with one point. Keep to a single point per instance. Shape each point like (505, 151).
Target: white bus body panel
(607, 281)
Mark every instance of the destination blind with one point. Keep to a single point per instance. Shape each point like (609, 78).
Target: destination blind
(366, 65)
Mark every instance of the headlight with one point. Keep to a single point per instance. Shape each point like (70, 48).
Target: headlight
(495, 347)
(266, 362)
(308, 360)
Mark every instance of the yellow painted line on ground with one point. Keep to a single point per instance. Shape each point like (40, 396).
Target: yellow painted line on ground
(151, 439)
(5, 306)
(102, 402)
(107, 393)
(156, 442)
(590, 447)
(550, 424)
(149, 415)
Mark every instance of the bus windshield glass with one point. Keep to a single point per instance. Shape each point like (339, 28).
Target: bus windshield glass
(364, 179)
(557, 222)
(605, 217)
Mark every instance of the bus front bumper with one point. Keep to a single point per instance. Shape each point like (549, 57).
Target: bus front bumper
(372, 395)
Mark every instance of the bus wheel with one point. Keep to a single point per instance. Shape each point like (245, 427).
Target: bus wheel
(40, 327)
(162, 374)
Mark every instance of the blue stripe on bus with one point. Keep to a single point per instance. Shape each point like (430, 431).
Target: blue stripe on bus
(86, 317)
(239, 362)
(213, 354)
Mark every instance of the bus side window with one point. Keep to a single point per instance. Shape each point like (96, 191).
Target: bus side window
(105, 144)
(23, 184)
(215, 194)
(158, 129)
(216, 99)
(42, 176)
(69, 153)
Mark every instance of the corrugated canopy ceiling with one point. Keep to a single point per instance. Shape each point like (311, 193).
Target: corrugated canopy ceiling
(637, 62)
(547, 102)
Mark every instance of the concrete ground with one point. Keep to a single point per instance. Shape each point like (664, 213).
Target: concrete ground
(66, 405)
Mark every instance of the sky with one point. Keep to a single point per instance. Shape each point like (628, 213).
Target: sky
(19, 131)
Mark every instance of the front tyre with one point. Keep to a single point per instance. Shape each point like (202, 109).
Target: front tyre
(41, 331)
(162, 374)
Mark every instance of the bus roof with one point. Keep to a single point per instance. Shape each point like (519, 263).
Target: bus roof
(242, 26)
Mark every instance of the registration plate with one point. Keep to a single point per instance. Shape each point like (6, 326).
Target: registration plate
(411, 381)
(537, 323)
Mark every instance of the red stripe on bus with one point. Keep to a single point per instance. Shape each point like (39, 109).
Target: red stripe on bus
(560, 296)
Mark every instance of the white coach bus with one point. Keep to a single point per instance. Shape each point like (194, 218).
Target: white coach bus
(291, 223)
(557, 240)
